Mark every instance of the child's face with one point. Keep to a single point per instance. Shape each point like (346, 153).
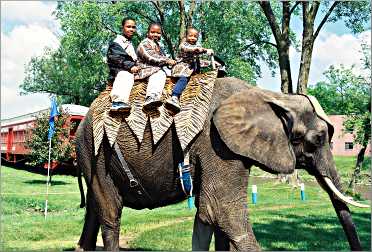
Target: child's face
(129, 28)
(154, 33)
(192, 36)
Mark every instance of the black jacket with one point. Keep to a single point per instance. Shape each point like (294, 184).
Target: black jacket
(118, 60)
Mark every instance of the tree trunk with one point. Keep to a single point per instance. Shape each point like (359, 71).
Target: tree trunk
(303, 76)
(308, 16)
(358, 166)
(181, 7)
(285, 70)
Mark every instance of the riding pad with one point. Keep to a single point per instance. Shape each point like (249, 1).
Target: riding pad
(194, 101)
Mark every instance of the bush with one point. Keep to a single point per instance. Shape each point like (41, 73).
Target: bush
(62, 148)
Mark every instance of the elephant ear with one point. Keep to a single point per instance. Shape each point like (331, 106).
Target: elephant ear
(257, 125)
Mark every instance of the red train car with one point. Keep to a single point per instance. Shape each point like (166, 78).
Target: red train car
(15, 131)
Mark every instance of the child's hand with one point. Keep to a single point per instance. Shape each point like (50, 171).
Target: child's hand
(135, 69)
(200, 50)
(171, 62)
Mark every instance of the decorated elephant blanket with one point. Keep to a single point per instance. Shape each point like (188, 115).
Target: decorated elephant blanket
(195, 101)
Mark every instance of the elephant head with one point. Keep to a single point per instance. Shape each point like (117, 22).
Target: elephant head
(281, 133)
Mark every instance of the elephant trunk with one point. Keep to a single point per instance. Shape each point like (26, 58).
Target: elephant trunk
(344, 216)
(333, 188)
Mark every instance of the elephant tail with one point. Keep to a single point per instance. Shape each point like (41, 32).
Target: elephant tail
(81, 189)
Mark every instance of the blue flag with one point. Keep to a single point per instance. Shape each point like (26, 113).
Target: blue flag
(53, 113)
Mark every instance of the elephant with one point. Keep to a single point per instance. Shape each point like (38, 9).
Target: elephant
(245, 126)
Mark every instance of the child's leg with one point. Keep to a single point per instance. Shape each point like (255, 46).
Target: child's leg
(180, 86)
(156, 84)
(122, 86)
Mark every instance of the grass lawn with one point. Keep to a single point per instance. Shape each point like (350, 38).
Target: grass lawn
(281, 221)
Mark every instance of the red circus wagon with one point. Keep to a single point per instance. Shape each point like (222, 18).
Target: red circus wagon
(15, 131)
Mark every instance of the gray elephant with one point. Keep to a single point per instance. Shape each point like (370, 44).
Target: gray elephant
(246, 126)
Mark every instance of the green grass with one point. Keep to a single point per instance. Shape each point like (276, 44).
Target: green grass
(281, 221)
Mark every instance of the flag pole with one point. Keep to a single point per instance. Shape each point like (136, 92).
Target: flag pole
(47, 183)
(53, 114)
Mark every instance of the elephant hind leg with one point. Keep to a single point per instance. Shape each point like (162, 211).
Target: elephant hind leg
(202, 235)
(88, 238)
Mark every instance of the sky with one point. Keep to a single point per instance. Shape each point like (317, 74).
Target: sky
(27, 27)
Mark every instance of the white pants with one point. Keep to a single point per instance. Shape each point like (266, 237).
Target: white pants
(122, 86)
(156, 83)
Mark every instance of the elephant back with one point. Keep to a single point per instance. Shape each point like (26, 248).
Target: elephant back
(195, 103)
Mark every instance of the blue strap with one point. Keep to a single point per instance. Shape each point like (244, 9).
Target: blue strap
(185, 178)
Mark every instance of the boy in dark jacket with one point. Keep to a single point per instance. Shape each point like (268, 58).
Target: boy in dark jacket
(122, 63)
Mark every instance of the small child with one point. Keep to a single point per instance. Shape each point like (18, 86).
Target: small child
(151, 60)
(122, 63)
(190, 63)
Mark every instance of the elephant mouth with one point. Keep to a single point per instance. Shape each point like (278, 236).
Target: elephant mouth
(340, 196)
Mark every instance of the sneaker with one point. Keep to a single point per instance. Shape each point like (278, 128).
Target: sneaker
(152, 102)
(120, 107)
(173, 104)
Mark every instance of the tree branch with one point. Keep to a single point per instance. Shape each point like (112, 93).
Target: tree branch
(160, 11)
(294, 7)
(161, 18)
(324, 20)
(286, 20)
(266, 7)
(182, 25)
(143, 15)
(190, 14)
(259, 42)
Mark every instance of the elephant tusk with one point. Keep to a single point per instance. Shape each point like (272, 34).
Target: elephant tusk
(343, 198)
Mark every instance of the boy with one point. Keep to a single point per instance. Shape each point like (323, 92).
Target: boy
(152, 59)
(121, 60)
(189, 64)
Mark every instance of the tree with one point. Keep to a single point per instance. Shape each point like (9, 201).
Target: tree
(77, 71)
(38, 143)
(346, 93)
(354, 13)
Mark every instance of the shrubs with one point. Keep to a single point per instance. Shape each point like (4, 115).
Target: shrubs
(63, 148)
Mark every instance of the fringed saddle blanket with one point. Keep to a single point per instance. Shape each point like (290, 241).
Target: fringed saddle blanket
(194, 101)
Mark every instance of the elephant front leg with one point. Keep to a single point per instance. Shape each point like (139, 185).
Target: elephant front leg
(237, 228)
(110, 237)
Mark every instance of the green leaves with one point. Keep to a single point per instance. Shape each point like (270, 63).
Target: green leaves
(77, 71)
(62, 146)
(345, 93)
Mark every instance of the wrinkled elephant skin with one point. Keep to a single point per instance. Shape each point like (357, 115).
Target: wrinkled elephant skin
(286, 134)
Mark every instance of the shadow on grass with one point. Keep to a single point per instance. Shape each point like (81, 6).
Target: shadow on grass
(314, 232)
(71, 171)
(289, 232)
(100, 248)
(39, 181)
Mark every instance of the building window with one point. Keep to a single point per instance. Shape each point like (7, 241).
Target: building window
(331, 145)
(348, 145)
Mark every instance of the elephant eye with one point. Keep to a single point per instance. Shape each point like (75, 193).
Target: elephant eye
(297, 137)
(297, 140)
(318, 139)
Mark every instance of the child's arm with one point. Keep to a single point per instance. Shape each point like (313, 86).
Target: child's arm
(118, 58)
(146, 52)
(187, 48)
